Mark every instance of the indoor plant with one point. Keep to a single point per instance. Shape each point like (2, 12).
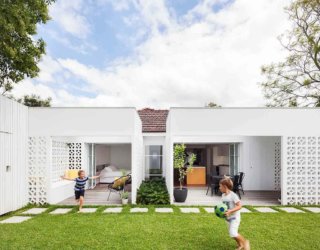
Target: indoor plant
(124, 197)
(183, 163)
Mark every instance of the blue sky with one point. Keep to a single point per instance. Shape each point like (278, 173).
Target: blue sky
(110, 35)
(182, 52)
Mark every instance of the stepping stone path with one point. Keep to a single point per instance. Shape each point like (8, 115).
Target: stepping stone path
(61, 211)
(16, 219)
(35, 211)
(113, 210)
(265, 210)
(189, 210)
(313, 209)
(245, 210)
(88, 210)
(291, 210)
(139, 210)
(209, 209)
(164, 210)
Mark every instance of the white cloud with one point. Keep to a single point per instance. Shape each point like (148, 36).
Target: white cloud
(214, 58)
(118, 5)
(83, 48)
(70, 15)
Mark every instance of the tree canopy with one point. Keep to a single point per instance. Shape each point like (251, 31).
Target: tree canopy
(296, 81)
(20, 52)
(35, 101)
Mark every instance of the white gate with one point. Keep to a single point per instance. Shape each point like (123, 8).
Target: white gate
(13, 148)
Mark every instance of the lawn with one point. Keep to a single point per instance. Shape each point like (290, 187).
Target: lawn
(159, 231)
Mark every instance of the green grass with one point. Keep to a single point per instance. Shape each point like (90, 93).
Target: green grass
(159, 231)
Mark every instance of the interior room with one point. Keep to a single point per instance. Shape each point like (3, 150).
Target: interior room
(211, 159)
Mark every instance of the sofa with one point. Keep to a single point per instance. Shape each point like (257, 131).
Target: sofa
(109, 173)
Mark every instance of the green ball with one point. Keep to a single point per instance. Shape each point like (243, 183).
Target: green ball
(220, 210)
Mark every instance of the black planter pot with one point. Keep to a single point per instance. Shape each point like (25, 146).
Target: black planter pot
(180, 195)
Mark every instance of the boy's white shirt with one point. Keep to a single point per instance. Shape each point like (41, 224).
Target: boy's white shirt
(230, 200)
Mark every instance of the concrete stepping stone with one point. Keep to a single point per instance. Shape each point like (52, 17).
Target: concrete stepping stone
(61, 211)
(164, 210)
(35, 210)
(139, 210)
(265, 210)
(313, 209)
(88, 210)
(113, 210)
(209, 209)
(189, 210)
(245, 210)
(291, 210)
(16, 219)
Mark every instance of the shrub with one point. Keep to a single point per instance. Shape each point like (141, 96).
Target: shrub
(153, 192)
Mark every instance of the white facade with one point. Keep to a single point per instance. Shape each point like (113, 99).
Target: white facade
(68, 131)
(278, 148)
(269, 139)
(13, 155)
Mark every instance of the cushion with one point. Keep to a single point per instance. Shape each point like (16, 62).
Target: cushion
(71, 173)
(106, 170)
(113, 168)
(120, 182)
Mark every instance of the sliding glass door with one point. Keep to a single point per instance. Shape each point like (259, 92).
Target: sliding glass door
(91, 161)
(234, 158)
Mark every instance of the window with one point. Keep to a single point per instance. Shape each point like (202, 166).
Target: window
(153, 160)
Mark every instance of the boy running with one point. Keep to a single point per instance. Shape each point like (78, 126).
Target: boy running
(79, 187)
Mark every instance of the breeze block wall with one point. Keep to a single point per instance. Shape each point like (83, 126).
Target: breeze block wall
(301, 170)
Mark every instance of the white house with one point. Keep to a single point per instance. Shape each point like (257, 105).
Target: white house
(276, 148)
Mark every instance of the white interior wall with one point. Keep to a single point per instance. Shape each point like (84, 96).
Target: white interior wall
(120, 156)
(102, 154)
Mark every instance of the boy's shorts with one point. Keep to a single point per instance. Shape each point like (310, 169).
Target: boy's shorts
(233, 225)
(78, 193)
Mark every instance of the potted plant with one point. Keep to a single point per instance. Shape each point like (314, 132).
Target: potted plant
(183, 163)
(124, 197)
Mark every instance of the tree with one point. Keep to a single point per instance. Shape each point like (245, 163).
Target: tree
(19, 51)
(212, 105)
(182, 161)
(35, 101)
(296, 81)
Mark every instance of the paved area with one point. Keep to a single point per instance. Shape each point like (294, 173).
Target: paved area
(35, 211)
(16, 219)
(265, 210)
(88, 210)
(189, 210)
(313, 209)
(197, 197)
(291, 210)
(164, 210)
(61, 211)
(113, 210)
(139, 210)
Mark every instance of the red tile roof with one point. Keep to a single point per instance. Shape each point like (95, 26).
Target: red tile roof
(153, 120)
